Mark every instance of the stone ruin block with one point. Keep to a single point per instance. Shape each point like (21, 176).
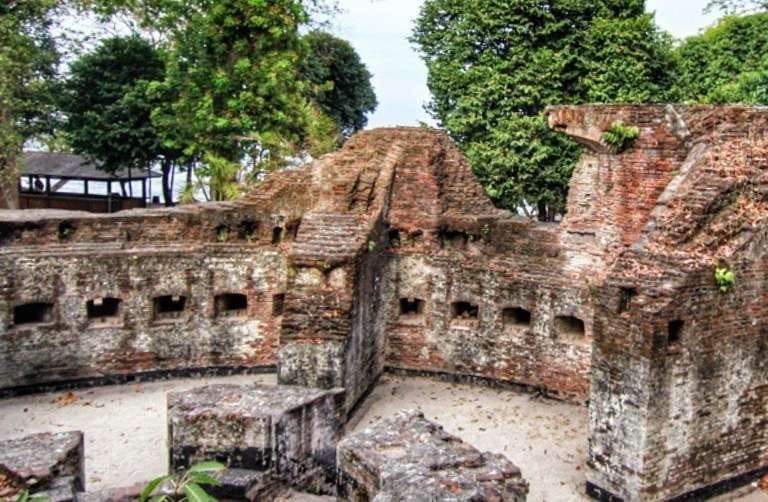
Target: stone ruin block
(409, 458)
(290, 431)
(49, 465)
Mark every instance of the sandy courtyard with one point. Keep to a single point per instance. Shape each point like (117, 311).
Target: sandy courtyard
(125, 429)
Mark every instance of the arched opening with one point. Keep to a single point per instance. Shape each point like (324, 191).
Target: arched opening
(570, 328)
(517, 317)
(464, 311)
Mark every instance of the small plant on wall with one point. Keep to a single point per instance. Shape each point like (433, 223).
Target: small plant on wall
(620, 137)
(725, 279)
(24, 496)
(183, 487)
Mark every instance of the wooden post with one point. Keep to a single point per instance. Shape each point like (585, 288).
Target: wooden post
(109, 196)
(48, 185)
(85, 186)
(144, 191)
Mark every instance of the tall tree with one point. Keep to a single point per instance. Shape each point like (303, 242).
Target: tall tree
(341, 83)
(493, 67)
(28, 63)
(108, 113)
(728, 63)
(231, 78)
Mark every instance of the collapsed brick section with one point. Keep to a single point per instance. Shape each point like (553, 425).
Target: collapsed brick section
(290, 432)
(679, 381)
(408, 457)
(47, 465)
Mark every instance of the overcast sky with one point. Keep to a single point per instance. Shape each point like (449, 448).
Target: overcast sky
(379, 30)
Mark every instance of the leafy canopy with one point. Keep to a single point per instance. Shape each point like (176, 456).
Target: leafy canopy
(340, 82)
(106, 107)
(494, 66)
(28, 62)
(728, 63)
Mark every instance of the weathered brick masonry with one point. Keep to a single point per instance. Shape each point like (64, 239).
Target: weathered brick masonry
(389, 254)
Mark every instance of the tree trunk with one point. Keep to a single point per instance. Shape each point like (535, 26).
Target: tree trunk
(167, 189)
(9, 169)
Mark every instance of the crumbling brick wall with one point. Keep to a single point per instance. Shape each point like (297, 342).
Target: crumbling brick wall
(679, 378)
(94, 296)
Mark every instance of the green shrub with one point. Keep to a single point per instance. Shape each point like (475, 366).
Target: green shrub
(725, 279)
(184, 487)
(620, 137)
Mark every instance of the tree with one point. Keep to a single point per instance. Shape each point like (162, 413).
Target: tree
(341, 83)
(728, 63)
(736, 6)
(28, 61)
(494, 66)
(108, 113)
(231, 78)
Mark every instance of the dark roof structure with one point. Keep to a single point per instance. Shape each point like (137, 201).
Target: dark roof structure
(76, 167)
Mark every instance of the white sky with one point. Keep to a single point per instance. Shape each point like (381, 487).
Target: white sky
(379, 30)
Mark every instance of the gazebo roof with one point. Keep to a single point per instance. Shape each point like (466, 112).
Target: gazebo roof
(76, 167)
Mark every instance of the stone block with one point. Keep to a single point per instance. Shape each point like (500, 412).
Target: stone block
(409, 458)
(291, 431)
(48, 464)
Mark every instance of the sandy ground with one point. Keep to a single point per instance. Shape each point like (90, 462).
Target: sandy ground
(547, 439)
(125, 428)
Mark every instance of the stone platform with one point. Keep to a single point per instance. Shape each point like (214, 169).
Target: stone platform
(408, 457)
(290, 431)
(48, 465)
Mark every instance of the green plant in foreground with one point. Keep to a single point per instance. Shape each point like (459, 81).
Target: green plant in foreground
(620, 137)
(184, 487)
(725, 279)
(24, 496)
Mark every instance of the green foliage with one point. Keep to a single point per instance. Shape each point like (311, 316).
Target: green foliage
(223, 177)
(28, 61)
(340, 82)
(736, 6)
(725, 279)
(620, 137)
(231, 77)
(185, 487)
(24, 496)
(494, 66)
(728, 63)
(104, 99)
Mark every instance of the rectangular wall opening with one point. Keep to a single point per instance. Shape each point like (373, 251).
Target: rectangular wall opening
(675, 333)
(411, 306)
(169, 307)
(625, 299)
(104, 309)
(569, 327)
(248, 230)
(465, 310)
(278, 304)
(277, 235)
(517, 316)
(231, 305)
(33, 313)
